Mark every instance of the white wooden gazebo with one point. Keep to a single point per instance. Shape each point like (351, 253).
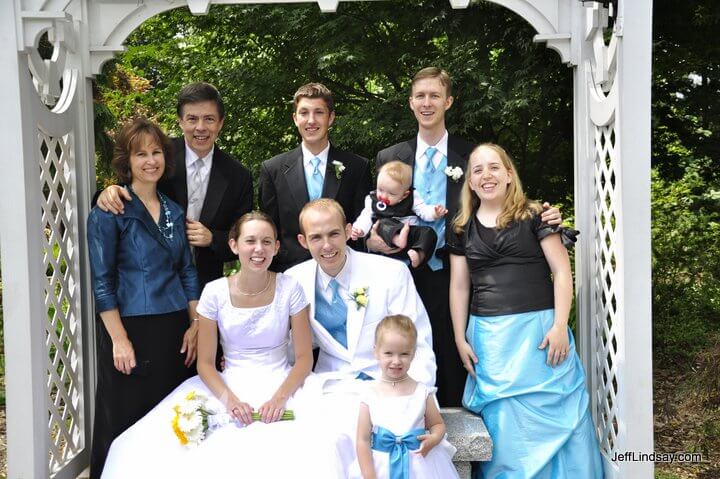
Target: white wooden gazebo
(48, 176)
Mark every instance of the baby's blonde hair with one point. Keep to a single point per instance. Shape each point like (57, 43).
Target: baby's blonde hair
(398, 323)
(399, 172)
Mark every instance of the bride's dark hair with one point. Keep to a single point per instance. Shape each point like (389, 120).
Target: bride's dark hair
(234, 233)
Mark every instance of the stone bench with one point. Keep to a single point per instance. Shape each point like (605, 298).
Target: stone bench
(468, 434)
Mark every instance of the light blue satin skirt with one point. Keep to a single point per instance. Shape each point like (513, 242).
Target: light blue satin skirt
(537, 415)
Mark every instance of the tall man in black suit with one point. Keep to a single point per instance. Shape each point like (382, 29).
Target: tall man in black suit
(312, 170)
(212, 187)
(430, 153)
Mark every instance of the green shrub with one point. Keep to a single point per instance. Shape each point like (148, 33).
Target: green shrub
(686, 263)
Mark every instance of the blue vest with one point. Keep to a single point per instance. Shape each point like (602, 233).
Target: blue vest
(431, 183)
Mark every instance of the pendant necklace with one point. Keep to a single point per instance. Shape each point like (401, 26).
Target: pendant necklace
(394, 381)
(244, 293)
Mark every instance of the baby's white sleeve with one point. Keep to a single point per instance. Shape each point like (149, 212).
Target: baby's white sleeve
(364, 220)
(423, 210)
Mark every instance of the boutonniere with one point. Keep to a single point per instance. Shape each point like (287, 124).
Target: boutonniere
(454, 172)
(360, 296)
(339, 168)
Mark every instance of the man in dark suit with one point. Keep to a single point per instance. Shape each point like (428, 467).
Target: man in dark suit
(430, 153)
(212, 187)
(312, 170)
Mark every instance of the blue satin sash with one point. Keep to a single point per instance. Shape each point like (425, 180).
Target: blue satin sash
(384, 440)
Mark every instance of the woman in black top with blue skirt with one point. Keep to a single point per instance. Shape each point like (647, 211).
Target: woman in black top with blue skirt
(525, 377)
(145, 288)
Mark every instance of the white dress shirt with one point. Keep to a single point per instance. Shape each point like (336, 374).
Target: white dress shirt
(308, 155)
(197, 193)
(442, 149)
(322, 283)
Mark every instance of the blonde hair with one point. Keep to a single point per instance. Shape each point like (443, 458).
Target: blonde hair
(434, 72)
(322, 204)
(398, 323)
(399, 172)
(516, 207)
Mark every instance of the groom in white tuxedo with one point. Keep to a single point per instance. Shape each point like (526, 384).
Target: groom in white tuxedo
(336, 272)
(349, 293)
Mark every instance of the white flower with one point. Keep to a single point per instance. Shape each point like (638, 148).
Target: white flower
(339, 168)
(190, 422)
(453, 172)
(189, 407)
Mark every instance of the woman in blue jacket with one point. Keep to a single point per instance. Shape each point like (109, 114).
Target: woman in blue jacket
(145, 288)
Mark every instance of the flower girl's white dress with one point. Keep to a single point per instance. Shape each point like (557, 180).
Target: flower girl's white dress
(401, 414)
(255, 347)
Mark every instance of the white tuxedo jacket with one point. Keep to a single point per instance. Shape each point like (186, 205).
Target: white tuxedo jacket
(390, 291)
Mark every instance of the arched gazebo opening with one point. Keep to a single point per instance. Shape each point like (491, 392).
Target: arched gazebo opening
(49, 325)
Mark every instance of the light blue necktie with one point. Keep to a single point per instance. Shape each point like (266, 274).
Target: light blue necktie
(315, 180)
(431, 183)
(340, 310)
(398, 447)
(332, 315)
(430, 153)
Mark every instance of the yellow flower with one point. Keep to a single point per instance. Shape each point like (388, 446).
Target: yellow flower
(176, 427)
(361, 300)
(190, 396)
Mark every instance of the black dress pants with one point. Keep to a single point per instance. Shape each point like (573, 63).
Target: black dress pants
(434, 290)
(120, 399)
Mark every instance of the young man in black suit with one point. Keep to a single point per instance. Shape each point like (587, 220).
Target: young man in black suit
(430, 153)
(313, 170)
(212, 187)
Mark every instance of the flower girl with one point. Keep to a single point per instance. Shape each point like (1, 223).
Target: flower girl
(400, 431)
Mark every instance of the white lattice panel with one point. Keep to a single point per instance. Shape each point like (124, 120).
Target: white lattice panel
(62, 329)
(605, 296)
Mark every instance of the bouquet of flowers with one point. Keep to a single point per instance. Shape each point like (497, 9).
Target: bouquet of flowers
(193, 419)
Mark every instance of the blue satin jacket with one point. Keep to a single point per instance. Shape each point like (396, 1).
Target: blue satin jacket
(134, 267)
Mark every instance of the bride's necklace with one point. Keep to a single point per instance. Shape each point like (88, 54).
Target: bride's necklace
(394, 381)
(245, 293)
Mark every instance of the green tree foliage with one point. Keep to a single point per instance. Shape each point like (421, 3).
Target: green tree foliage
(686, 183)
(508, 89)
(686, 95)
(686, 263)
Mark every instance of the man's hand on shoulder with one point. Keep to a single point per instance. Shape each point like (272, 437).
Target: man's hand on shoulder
(550, 215)
(112, 199)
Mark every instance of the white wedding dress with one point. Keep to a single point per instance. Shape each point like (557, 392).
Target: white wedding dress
(255, 347)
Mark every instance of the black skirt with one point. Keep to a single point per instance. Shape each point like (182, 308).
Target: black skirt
(121, 400)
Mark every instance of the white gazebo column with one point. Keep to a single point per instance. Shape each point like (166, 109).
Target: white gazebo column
(46, 182)
(22, 266)
(633, 124)
(612, 134)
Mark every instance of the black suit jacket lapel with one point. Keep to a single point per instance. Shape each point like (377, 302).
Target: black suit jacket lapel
(294, 173)
(179, 179)
(454, 187)
(217, 184)
(331, 183)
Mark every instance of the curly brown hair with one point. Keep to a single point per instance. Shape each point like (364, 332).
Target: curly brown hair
(129, 140)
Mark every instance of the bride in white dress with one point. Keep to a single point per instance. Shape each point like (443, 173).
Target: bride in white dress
(253, 311)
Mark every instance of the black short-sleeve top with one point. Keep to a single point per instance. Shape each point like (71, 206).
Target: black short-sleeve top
(510, 273)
